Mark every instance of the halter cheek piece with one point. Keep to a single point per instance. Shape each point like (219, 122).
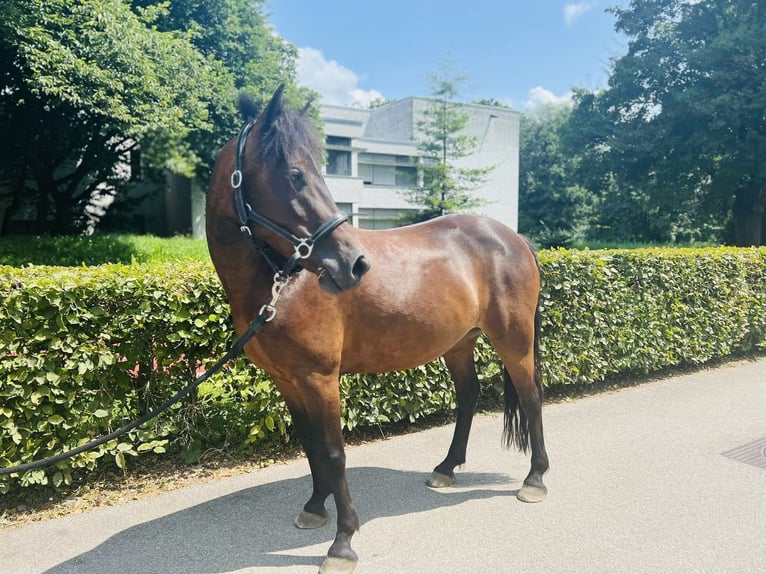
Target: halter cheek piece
(303, 245)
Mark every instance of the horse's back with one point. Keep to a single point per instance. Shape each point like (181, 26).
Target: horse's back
(473, 247)
(466, 230)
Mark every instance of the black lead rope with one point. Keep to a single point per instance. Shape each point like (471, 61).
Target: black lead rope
(253, 328)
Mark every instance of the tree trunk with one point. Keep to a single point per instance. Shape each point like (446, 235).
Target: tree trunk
(43, 204)
(748, 217)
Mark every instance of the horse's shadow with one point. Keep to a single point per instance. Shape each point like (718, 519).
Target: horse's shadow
(253, 527)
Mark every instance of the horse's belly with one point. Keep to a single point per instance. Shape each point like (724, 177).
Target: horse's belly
(381, 352)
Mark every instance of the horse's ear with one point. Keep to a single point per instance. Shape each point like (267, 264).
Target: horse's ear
(275, 107)
(305, 109)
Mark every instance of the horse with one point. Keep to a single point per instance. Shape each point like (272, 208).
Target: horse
(366, 301)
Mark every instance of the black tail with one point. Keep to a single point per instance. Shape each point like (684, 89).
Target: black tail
(516, 427)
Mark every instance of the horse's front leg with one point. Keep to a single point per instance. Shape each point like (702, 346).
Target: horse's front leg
(314, 514)
(315, 408)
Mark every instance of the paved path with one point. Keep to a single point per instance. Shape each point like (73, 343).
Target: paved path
(638, 484)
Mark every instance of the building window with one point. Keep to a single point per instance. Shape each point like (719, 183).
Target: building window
(338, 162)
(338, 141)
(373, 218)
(390, 170)
(345, 208)
(338, 156)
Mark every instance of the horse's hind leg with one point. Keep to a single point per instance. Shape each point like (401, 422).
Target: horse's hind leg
(530, 397)
(460, 363)
(525, 428)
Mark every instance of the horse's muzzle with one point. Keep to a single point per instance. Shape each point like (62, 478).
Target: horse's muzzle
(360, 268)
(336, 279)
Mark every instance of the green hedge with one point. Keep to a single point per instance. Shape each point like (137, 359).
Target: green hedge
(637, 311)
(84, 350)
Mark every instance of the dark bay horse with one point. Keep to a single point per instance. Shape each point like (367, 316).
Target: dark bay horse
(367, 301)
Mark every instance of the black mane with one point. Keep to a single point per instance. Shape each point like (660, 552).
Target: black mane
(290, 133)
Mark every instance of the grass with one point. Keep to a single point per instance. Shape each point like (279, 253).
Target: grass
(76, 251)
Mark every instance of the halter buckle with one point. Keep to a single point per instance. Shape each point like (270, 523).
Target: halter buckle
(270, 309)
(303, 248)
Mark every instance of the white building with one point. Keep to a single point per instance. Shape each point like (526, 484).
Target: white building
(371, 159)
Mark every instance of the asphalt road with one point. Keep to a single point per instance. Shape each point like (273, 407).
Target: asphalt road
(640, 482)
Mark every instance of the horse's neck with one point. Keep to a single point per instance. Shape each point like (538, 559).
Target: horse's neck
(244, 271)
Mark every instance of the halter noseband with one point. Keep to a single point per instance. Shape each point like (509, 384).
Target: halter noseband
(303, 245)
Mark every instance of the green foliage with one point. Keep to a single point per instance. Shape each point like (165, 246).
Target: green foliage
(85, 350)
(681, 126)
(82, 351)
(637, 311)
(554, 210)
(392, 397)
(84, 83)
(236, 36)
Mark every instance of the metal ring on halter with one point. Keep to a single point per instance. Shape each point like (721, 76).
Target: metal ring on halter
(236, 178)
(304, 248)
(271, 309)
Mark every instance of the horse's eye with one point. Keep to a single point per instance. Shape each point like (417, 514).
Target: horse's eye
(295, 176)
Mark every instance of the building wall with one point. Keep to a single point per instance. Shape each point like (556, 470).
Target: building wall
(390, 129)
(497, 133)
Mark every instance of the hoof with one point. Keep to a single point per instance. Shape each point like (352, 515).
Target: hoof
(332, 565)
(309, 521)
(532, 493)
(439, 480)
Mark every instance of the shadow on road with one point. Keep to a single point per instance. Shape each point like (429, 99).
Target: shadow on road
(253, 527)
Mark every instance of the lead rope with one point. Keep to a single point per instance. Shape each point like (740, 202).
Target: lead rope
(303, 248)
(266, 314)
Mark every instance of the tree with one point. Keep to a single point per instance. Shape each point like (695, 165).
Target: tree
(622, 206)
(444, 186)
(553, 209)
(235, 35)
(83, 82)
(683, 118)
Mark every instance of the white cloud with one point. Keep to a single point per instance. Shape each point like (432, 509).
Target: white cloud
(335, 83)
(539, 97)
(573, 11)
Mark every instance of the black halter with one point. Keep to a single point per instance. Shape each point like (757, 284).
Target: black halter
(303, 246)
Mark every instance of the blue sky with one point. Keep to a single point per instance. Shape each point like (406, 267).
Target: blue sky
(521, 52)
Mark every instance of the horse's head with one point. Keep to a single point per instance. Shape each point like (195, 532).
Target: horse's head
(282, 185)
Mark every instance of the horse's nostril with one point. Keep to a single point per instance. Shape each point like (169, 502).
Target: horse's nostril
(361, 266)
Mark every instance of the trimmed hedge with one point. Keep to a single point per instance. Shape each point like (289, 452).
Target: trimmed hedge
(83, 351)
(638, 311)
